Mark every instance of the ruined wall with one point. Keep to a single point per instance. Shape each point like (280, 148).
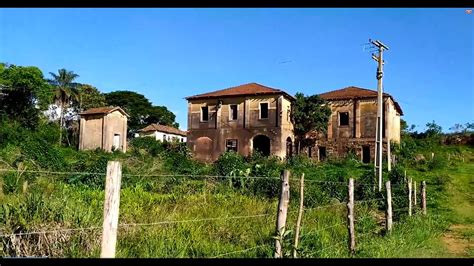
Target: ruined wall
(360, 130)
(220, 127)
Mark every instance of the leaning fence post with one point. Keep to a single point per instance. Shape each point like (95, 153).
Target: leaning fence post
(111, 209)
(350, 217)
(409, 197)
(282, 211)
(423, 197)
(300, 214)
(389, 207)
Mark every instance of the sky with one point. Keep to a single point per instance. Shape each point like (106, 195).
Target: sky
(168, 54)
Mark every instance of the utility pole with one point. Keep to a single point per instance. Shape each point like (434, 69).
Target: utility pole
(378, 138)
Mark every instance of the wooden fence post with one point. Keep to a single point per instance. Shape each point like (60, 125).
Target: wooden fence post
(111, 209)
(350, 217)
(300, 215)
(389, 206)
(414, 195)
(282, 211)
(409, 197)
(423, 197)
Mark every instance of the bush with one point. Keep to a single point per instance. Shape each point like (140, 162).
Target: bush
(93, 164)
(230, 164)
(437, 163)
(149, 144)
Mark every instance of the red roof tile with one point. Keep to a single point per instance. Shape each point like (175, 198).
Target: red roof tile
(163, 128)
(352, 92)
(102, 110)
(241, 90)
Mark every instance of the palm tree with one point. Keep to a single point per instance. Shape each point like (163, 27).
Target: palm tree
(65, 92)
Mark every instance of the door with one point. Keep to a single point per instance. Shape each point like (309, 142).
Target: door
(116, 142)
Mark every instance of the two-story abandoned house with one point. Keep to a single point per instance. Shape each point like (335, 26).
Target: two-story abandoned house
(245, 118)
(352, 124)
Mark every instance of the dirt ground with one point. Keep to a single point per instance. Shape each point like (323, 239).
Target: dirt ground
(459, 240)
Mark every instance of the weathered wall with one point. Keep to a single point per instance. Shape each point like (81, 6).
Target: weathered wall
(220, 127)
(361, 129)
(97, 131)
(91, 127)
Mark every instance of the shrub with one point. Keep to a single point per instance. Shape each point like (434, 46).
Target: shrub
(93, 164)
(230, 163)
(437, 163)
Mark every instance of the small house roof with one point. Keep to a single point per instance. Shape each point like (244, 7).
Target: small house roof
(353, 92)
(103, 110)
(249, 89)
(163, 128)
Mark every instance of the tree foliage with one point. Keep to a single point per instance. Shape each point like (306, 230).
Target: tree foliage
(309, 113)
(140, 109)
(90, 97)
(23, 91)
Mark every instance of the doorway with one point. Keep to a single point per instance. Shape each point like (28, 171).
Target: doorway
(366, 154)
(322, 153)
(289, 147)
(261, 143)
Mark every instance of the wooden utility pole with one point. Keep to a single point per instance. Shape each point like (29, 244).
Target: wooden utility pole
(378, 138)
(350, 217)
(282, 210)
(300, 215)
(111, 209)
(389, 206)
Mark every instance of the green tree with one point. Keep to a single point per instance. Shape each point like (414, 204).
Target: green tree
(432, 129)
(90, 97)
(65, 92)
(23, 92)
(162, 116)
(309, 114)
(140, 109)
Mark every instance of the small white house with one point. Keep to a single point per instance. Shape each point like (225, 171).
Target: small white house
(163, 133)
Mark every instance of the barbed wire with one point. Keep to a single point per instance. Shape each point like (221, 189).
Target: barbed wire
(238, 251)
(143, 224)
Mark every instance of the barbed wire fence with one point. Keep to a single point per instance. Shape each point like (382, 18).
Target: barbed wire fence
(363, 209)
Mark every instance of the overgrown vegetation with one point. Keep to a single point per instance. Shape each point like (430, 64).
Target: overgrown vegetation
(48, 201)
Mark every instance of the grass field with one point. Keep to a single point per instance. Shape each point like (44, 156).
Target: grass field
(48, 203)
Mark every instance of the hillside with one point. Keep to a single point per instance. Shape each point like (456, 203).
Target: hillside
(171, 206)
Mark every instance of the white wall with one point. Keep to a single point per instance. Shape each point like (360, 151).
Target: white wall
(165, 136)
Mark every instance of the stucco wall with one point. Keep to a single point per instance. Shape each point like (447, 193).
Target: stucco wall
(219, 128)
(98, 130)
(160, 136)
(361, 128)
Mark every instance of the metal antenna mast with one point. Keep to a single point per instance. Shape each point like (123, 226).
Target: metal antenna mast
(378, 132)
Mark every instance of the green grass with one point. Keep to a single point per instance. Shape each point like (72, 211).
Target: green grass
(53, 202)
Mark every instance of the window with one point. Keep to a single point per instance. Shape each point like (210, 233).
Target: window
(204, 114)
(233, 112)
(344, 119)
(164, 137)
(263, 110)
(231, 145)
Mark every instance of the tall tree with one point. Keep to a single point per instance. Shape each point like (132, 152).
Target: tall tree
(90, 97)
(23, 91)
(65, 92)
(140, 109)
(162, 116)
(309, 114)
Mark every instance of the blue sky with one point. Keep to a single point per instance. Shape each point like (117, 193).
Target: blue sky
(168, 54)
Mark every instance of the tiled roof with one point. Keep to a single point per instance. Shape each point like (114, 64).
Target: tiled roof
(163, 128)
(353, 92)
(102, 110)
(241, 90)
